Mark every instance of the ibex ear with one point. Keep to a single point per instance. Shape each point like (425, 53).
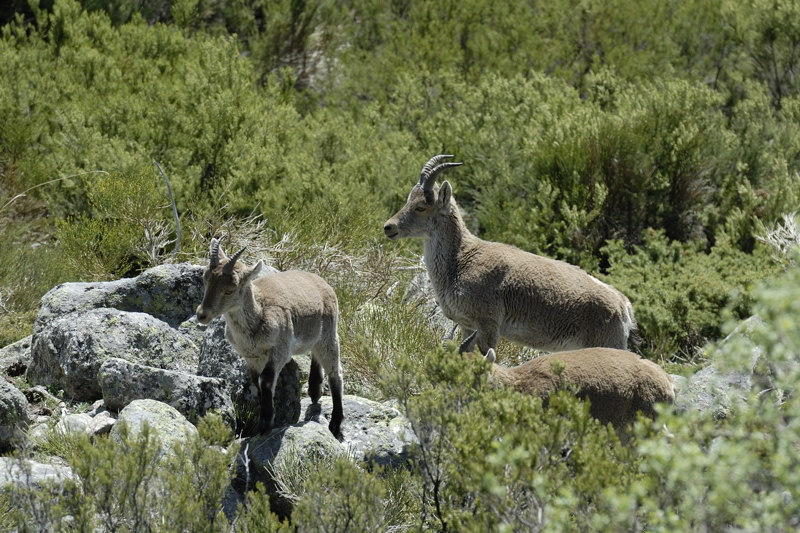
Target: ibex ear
(445, 192)
(252, 272)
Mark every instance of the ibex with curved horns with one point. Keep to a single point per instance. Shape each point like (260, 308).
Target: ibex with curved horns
(495, 290)
(271, 318)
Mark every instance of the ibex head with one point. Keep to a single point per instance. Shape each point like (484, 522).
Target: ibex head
(224, 279)
(424, 201)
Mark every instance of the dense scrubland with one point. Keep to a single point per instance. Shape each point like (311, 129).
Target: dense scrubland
(654, 143)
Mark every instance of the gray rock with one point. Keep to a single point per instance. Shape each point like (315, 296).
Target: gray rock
(39, 434)
(13, 415)
(231, 502)
(218, 359)
(102, 423)
(282, 455)
(304, 366)
(716, 389)
(15, 472)
(91, 423)
(97, 407)
(164, 421)
(712, 391)
(16, 357)
(76, 423)
(123, 381)
(193, 330)
(373, 432)
(68, 352)
(168, 292)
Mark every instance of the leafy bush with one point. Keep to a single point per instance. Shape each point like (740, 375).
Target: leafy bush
(555, 174)
(28, 269)
(126, 227)
(134, 484)
(344, 497)
(741, 473)
(682, 295)
(495, 460)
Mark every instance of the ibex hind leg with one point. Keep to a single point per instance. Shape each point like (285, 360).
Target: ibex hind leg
(614, 335)
(315, 381)
(335, 425)
(487, 337)
(328, 358)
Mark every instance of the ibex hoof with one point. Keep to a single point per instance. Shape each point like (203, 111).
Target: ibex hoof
(263, 428)
(335, 427)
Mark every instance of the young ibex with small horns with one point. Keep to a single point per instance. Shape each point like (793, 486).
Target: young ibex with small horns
(271, 318)
(496, 290)
(618, 384)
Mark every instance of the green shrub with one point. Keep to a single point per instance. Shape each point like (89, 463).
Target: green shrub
(495, 460)
(740, 473)
(134, 484)
(344, 497)
(28, 269)
(127, 227)
(681, 294)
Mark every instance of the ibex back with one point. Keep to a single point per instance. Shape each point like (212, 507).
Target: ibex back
(495, 290)
(618, 384)
(271, 318)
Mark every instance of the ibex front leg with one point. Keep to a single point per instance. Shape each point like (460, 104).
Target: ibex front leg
(266, 389)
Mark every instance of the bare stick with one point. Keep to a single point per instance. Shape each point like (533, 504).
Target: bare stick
(177, 248)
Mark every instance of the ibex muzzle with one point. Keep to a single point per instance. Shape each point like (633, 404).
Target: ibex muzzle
(222, 282)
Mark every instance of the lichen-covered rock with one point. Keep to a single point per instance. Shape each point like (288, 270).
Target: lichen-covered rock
(218, 359)
(715, 389)
(373, 432)
(68, 352)
(102, 423)
(75, 423)
(13, 415)
(194, 396)
(15, 358)
(23, 473)
(167, 292)
(164, 421)
(193, 330)
(270, 457)
(91, 423)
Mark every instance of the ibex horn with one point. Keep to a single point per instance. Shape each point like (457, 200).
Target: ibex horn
(214, 253)
(428, 175)
(229, 265)
(432, 162)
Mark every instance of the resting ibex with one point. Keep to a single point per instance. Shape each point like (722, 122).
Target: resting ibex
(617, 383)
(271, 318)
(498, 290)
